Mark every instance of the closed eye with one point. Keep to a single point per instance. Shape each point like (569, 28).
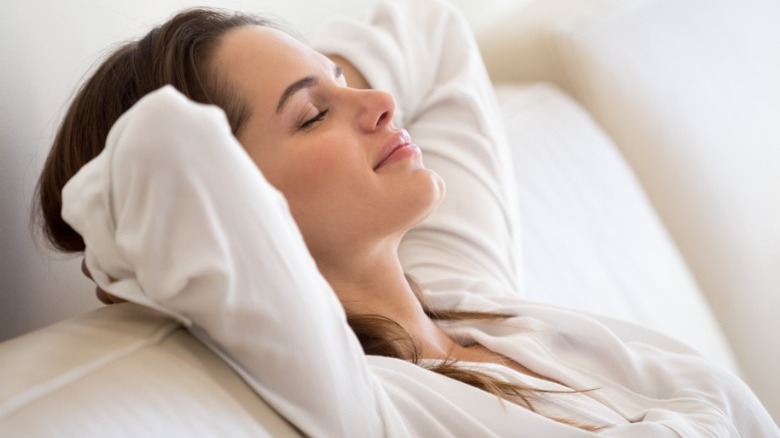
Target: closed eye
(312, 121)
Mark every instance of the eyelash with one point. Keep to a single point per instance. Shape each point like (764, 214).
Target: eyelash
(309, 123)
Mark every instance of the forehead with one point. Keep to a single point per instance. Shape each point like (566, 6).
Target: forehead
(262, 61)
(259, 39)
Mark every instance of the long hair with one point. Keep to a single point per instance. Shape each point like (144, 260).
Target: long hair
(382, 336)
(180, 53)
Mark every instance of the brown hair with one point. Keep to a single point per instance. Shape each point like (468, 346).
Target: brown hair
(179, 53)
(382, 336)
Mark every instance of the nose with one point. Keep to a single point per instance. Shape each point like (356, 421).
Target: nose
(375, 109)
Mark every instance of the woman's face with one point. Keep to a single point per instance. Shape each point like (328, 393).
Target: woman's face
(349, 176)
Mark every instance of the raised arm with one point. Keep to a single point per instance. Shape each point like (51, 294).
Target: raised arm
(177, 217)
(424, 54)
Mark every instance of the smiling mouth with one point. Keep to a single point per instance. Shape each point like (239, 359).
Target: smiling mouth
(384, 160)
(398, 147)
(401, 152)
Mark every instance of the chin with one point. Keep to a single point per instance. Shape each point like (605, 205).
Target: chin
(435, 191)
(441, 186)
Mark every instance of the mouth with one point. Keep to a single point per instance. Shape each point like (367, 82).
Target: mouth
(398, 146)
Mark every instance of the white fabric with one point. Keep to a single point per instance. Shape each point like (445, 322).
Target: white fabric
(181, 238)
(179, 215)
(591, 238)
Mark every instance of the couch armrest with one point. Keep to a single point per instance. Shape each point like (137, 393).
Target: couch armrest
(125, 370)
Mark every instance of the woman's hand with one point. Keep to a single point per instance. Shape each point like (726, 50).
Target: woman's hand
(103, 296)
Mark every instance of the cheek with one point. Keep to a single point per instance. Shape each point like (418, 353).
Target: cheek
(320, 173)
(327, 200)
(292, 168)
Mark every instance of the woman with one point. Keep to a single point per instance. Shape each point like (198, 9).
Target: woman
(175, 215)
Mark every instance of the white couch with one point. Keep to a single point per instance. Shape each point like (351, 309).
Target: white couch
(628, 118)
(689, 92)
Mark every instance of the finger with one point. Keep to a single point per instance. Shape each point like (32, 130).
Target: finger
(103, 296)
(84, 269)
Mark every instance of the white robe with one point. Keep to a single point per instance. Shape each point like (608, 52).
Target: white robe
(177, 214)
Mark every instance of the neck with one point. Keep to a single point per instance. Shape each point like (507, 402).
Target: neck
(373, 283)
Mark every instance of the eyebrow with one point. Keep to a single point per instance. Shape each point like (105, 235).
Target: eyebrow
(300, 84)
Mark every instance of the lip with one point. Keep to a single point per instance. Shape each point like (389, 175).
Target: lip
(399, 143)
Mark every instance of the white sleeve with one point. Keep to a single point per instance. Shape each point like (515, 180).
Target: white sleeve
(177, 214)
(423, 53)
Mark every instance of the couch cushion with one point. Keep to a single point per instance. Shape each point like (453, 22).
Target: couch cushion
(592, 241)
(131, 372)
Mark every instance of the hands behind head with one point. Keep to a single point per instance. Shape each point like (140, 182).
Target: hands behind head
(102, 295)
